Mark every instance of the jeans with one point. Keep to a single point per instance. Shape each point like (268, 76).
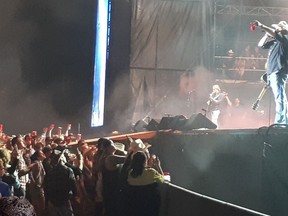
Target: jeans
(277, 83)
(214, 116)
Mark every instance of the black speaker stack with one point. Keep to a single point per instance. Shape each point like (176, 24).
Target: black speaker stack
(180, 122)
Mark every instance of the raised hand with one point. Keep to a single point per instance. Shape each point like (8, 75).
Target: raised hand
(257, 23)
(51, 127)
(67, 129)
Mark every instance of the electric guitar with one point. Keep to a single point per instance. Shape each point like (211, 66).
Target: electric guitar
(255, 105)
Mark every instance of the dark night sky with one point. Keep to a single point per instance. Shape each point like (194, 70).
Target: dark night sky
(46, 63)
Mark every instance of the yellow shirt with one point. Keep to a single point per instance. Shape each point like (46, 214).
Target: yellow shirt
(149, 176)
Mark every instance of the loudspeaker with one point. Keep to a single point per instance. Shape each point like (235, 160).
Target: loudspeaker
(197, 121)
(140, 126)
(153, 125)
(175, 122)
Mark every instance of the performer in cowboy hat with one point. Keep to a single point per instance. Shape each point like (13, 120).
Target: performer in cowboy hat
(276, 40)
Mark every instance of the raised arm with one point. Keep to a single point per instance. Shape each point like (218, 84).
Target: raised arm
(269, 31)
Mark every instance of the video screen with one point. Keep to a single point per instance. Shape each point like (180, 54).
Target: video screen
(101, 56)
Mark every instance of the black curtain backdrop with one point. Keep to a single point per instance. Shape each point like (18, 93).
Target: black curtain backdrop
(170, 40)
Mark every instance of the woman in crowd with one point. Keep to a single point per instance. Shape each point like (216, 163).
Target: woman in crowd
(143, 196)
(35, 186)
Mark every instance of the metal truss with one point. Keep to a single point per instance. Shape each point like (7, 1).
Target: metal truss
(250, 10)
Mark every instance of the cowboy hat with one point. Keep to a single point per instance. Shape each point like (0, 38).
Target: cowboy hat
(120, 147)
(138, 145)
(216, 87)
(230, 51)
(282, 25)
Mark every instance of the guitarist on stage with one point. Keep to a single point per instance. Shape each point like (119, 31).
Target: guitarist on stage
(276, 40)
(216, 98)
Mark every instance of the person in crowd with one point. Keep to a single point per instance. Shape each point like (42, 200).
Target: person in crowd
(229, 62)
(240, 65)
(47, 150)
(88, 155)
(141, 174)
(135, 146)
(107, 163)
(110, 171)
(5, 156)
(97, 168)
(35, 186)
(5, 190)
(216, 100)
(84, 205)
(28, 142)
(7, 175)
(10, 175)
(89, 184)
(98, 163)
(23, 167)
(61, 144)
(143, 196)
(59, 186)
(276, 40)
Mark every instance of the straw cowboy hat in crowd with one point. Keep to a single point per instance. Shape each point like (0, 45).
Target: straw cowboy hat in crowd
(138, 145)
(120, 147)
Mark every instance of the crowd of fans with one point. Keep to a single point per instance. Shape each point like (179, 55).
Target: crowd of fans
(251, 58)
(59, 174)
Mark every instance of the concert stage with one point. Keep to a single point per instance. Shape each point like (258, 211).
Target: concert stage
(246, 167)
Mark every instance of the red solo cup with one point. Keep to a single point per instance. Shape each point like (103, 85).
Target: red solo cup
(167, 176)
(252, 26)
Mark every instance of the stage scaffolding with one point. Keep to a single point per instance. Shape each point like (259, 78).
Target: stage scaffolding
(250, 10)
(238, 14)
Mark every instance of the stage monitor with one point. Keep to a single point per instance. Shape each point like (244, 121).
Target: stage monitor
(198, 121)
(172, 122)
